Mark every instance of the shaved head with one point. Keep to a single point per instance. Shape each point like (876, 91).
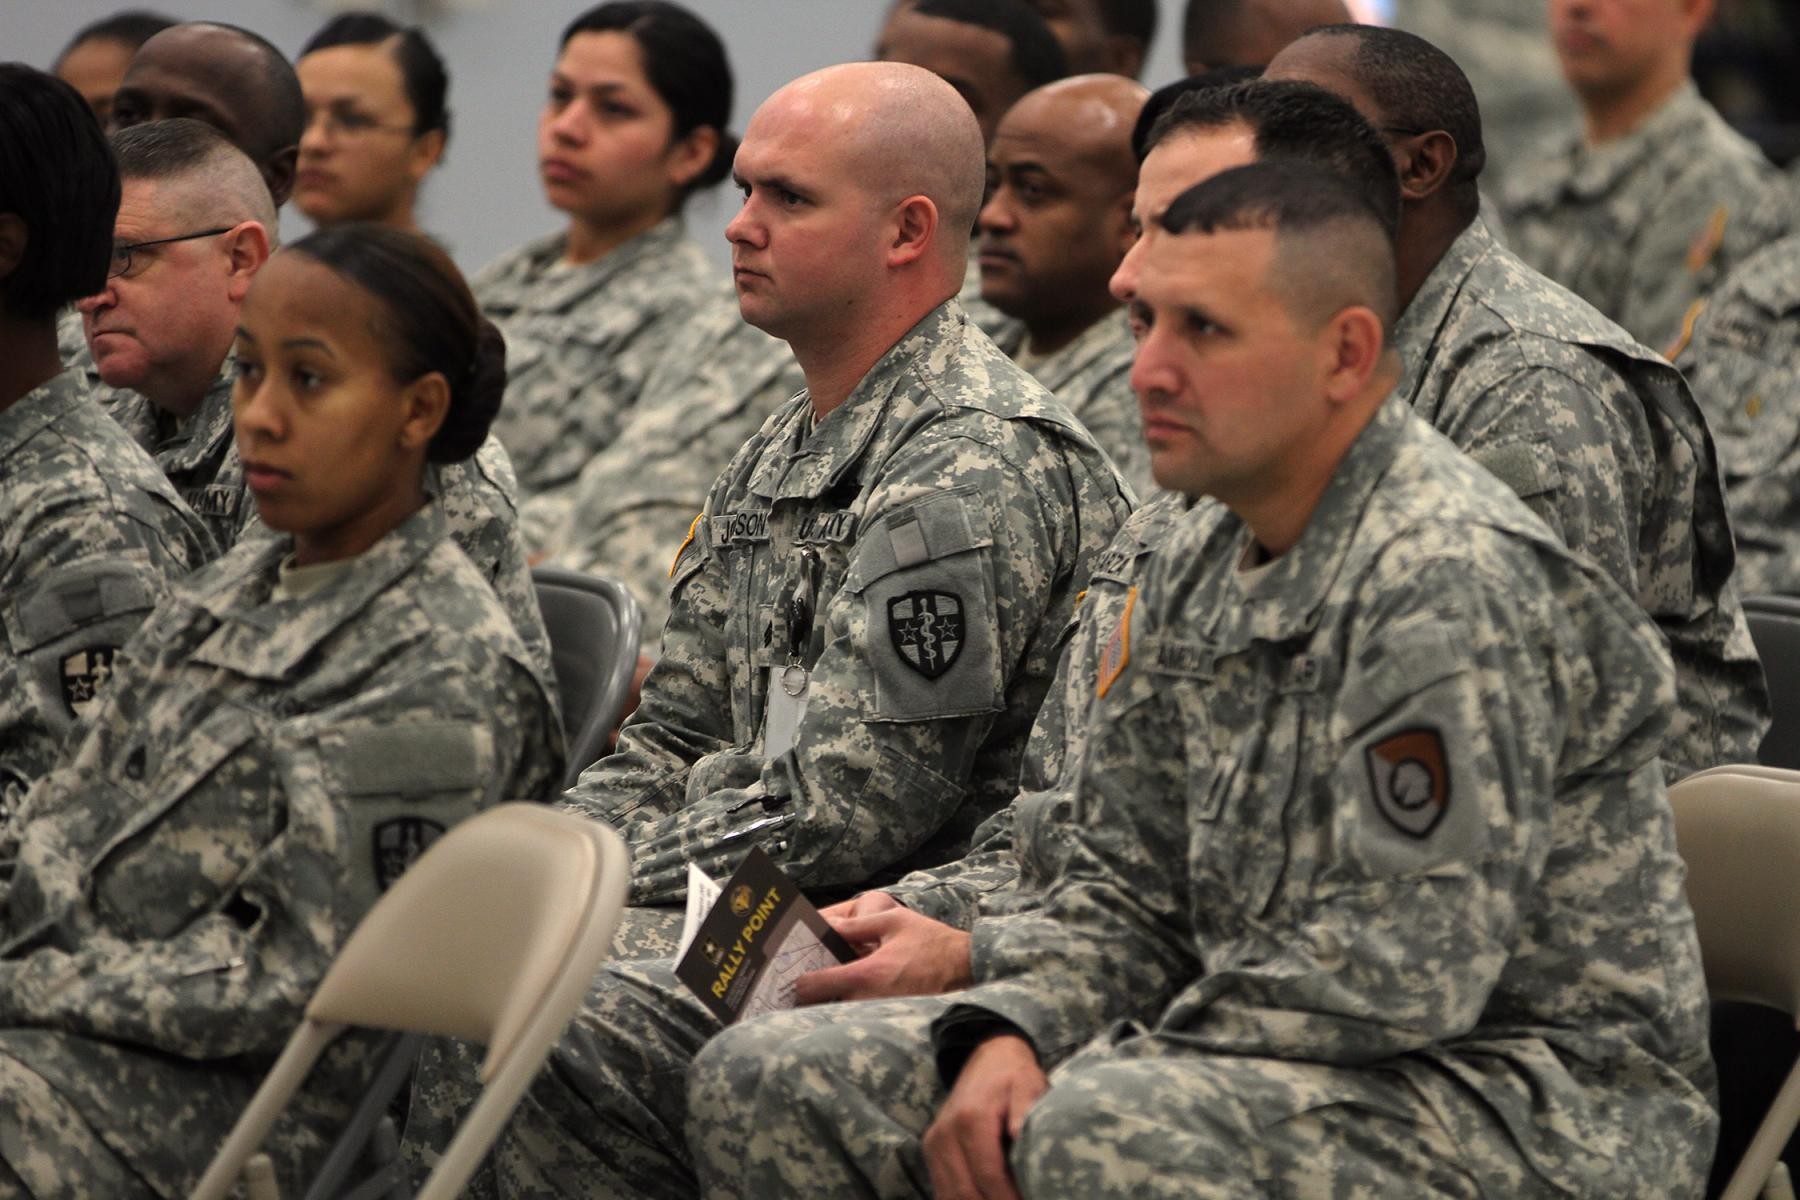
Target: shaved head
(1093, 116)
(229, 78)
(898, 130)
(1248, 33)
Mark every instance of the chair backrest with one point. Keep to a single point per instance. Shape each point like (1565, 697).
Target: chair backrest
(1738, 831)
(595, 628)
(493, 936)
(1775, 628)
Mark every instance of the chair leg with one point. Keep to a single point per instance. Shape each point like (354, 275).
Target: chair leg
(1757, 1166)
(259, 1179)
(1780, 1185)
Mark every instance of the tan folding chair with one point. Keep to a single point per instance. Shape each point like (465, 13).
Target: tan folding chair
(493, 936)
(1738, 831)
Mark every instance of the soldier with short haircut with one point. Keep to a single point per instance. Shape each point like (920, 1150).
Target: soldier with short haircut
(1055, 226)
(91, 533)
(1110, 37)
(865, 617)
(1368, 880)
(1656, 199)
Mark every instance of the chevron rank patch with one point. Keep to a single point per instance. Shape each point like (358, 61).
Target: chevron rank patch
(1409, 778)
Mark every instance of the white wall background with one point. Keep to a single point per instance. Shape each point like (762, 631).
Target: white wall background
(485, 198)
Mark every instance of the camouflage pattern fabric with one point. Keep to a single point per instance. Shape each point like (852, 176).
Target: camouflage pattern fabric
(257, 773)
(582, 341)
(1092, 377)
(945, 517)
(197, 452)
(1744, 365)
(1422, 927)
(1013, 854)
(91, 536)
(637, 497)
(914, 557)
(1644, 226)
(479, 498)
(1604, 441)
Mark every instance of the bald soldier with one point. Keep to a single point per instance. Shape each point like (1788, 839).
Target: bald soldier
(866, 615)
(1598, 435)
(229, 78)
(1248, 33)
(1645, 209)
(1056, 224)
(1368, 884)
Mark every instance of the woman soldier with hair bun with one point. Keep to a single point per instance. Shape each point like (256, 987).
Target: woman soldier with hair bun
(634, 124)
(284, 734)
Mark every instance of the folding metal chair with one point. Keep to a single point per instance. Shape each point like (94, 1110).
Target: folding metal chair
(492, 936)
(595, 627)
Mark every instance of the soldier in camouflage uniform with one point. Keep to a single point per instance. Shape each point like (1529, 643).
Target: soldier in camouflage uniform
(1056, 223)
(1657, 199)
(866, 616)
(638, 497)
(287, 730)
(1424, 918)
(90, 531)
(1598, 435)
(194, 220)
(591, 312)
(1744, 366)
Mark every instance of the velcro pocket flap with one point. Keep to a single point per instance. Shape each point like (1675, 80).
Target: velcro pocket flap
(936, 527)
(77, 596)
(412, 759)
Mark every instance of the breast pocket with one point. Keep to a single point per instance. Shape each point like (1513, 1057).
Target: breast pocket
(202, 804)
(389, 791)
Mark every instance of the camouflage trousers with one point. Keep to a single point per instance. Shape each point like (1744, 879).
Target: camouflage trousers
(48, 1151)
(833, 1102)
(604, 1116)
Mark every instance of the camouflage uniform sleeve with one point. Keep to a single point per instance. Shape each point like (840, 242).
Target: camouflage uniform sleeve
(83, 578)
(1421, 820)
(890, 741)
(358, 792)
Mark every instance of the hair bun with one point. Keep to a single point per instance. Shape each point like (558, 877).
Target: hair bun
(474, 400)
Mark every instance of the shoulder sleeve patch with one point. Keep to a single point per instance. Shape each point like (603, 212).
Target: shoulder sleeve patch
(693, 531)
(1115, 656)
(1409, 780)
(411, 759)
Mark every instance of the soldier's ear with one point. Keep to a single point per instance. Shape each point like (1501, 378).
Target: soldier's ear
(13, 237)
(1425, 162)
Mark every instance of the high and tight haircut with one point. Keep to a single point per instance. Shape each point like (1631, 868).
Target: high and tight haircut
(1297, 200)
(180, 148)
(1037, 56)
(431, 322)
(57, 176)
(1169, 93)
(1296, 120)
(1135, 19)
(132, 28)
(422, 73)
(1419, 88)
(281, 90)
(685, 62)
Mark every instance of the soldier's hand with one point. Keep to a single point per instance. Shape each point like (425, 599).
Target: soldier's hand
(965, 1148)
(860, 905)
(904, 953)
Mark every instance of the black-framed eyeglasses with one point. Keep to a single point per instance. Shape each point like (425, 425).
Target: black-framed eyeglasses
(121, 255)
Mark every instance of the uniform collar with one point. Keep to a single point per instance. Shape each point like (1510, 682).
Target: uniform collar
(1416, 333)
(1597, 169)
(38, 409)
(1107, 336)
(651, 250)
(809, 461)
(268, 641)
(1288, 601)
